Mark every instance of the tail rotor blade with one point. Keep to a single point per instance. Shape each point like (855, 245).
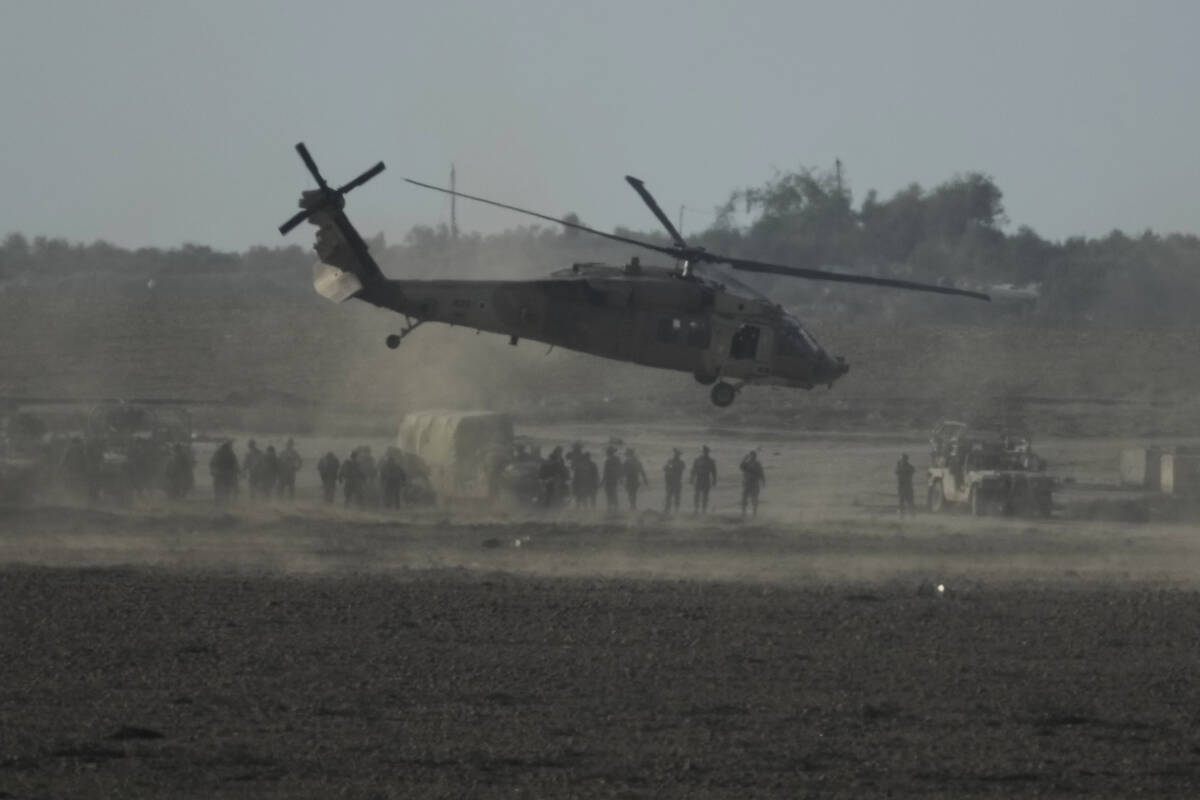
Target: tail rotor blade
(296, 219)
(361, 179)
(312, 165)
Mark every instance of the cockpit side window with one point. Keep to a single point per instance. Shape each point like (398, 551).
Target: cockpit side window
(794, 342)
(699, 334)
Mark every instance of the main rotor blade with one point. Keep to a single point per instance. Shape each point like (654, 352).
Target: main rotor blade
(649, 200)
(671, 251)
(747, 265)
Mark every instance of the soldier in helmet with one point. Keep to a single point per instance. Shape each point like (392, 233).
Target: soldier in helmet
(703, 478)
(327, 468)
(250, 466)
(611, 477)
(673, 481)
(289, 465)
(634, 475)
(753, 479)
(224, 470)
(904, 484)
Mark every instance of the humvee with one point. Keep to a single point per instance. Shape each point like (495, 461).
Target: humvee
(988, 472)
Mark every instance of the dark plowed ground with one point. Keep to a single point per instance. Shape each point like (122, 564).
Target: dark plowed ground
(453, 683)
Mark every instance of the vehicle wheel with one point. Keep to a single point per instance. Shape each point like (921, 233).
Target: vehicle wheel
(722, 394)
(976, 501)
(704, 379)
(936, 500)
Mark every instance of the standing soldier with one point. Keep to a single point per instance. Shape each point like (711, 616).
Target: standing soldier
(591, 480)
(703, 478)
(753, 479)
(327, 468)
(673, 481)
(250, 466)
(350, 475)
(368, 473)
(266, 473)
(611, 478)
(224, 470)
(289, 465)
(904, 484)
(635, 477)
(391, 479)
(179, 472)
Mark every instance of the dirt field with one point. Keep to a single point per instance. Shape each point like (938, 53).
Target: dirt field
(283, 652)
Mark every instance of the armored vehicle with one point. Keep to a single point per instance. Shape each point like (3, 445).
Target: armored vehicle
(130, 445)
(987, 472)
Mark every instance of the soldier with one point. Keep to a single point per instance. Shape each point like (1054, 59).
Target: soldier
(392, 480)
(753, 479)
(179, 472)
(327, 468)
(704, 478)
(904, 484)
(266, 473)
(224, 470)
(351, 477)
(591, 480)
(250, 466)
(611, 478)
(289, 465)
(553, 474)
(673, 481)
(368, 476)
(635, 476)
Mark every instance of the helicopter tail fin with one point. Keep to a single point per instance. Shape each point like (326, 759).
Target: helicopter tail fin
(345, 268)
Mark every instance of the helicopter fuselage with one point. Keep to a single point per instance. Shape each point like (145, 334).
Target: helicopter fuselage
(651, 316)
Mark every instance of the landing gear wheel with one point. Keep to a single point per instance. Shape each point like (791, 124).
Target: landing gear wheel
(704, 379)
(392, 341)
(722, 394)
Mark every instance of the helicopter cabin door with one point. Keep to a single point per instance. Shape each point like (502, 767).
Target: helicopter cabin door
(750, 348)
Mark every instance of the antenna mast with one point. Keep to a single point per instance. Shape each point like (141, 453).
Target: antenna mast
(453, 208)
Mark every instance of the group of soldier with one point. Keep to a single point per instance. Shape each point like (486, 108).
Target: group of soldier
(579, 475)
(364, 481)
(268, 473)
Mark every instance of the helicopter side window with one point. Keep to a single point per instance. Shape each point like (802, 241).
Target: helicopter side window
(699, 334)
(745, 342)
(668, 329)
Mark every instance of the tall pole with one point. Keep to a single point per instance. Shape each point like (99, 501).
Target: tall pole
(453, 208)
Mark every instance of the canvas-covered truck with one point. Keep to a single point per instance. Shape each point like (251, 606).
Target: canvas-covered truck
(463, 451)
(987, 472)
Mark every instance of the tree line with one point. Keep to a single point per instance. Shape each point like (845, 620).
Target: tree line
(954, 233)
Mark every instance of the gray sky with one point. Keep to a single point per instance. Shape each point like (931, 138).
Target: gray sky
(157, 123)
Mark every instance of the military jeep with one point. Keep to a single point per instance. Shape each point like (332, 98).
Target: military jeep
(987, 472)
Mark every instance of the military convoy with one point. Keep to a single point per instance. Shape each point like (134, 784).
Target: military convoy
(987, 472)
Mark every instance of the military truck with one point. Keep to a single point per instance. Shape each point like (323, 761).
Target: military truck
(987, 472)
(463, 451)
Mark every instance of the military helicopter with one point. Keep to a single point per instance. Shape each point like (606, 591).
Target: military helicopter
(688, 318)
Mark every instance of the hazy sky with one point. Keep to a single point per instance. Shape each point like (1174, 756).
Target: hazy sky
(156, 123)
